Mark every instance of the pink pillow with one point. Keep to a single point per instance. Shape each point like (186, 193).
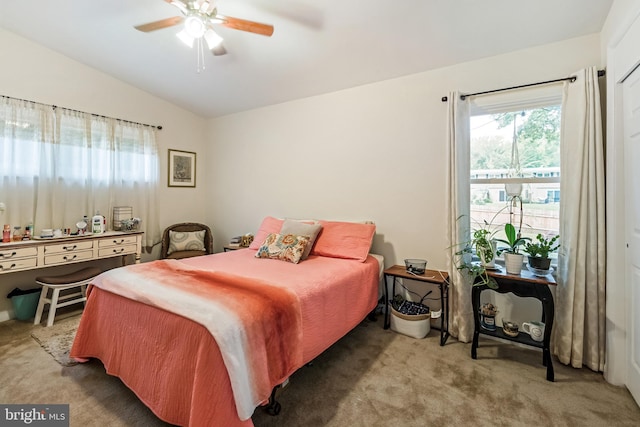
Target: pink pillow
(270, 225)
(350, 240)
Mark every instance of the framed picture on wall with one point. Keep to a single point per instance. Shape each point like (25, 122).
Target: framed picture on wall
(182, 168)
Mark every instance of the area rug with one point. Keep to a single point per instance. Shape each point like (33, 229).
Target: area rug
(57, 339)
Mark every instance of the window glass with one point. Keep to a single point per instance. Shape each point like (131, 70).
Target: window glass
(536, 169)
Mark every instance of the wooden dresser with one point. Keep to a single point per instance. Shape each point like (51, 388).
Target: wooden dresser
(40, 253)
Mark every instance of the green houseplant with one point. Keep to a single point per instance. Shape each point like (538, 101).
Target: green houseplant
(539, 250)
(485, 246)
(482, 244)
(512, 257)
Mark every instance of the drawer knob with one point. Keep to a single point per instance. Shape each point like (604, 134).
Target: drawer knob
(119, 250)
(2, 267)
(115, 242)
(8, 255)
(69, 248)
(70, 259)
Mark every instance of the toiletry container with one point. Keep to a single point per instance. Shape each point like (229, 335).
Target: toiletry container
(97, 223)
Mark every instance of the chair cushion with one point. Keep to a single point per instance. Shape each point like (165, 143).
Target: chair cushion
(64, 279)
(186, 241)
(185, 254)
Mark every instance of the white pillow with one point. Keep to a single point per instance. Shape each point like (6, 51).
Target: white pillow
(186, 241)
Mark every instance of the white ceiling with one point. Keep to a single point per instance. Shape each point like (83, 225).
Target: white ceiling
(317, 46)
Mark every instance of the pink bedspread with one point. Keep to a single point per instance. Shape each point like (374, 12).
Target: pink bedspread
(174, 365)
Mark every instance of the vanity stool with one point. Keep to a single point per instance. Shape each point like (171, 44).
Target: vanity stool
(79, 279)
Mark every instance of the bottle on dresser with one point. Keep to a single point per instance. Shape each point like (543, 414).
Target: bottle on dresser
(6, 233)
(28, 231)
(97, 223)
(17, 234)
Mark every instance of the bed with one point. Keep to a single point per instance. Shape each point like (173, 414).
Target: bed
(169, 351)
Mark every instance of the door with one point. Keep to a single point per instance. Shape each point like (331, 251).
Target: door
(631, 108)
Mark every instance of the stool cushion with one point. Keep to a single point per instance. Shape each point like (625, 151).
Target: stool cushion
(78, 276)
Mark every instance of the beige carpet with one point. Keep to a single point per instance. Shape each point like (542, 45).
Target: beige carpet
(371, 377)
(58, 338)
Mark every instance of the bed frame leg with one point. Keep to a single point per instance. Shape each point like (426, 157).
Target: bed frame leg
(273, 407)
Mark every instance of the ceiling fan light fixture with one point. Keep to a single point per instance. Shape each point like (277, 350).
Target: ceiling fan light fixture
(194, 26)
(185, 38)
(213, 39)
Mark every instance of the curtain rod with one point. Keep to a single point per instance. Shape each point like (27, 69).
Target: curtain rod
(571, 79)
(84, 112)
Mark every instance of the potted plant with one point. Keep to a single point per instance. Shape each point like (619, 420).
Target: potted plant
(484, 246)
(488, 313)
(512, 257)
(539, 251)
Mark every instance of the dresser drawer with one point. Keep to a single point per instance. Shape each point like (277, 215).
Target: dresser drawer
(7, 254)
(68, 257)
(117, 241)
(116, 250)
(17, 264)
(68, 247)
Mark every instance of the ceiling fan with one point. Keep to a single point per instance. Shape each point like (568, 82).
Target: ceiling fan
(199, 16)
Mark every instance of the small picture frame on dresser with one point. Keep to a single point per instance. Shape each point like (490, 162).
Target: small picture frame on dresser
(182, 168)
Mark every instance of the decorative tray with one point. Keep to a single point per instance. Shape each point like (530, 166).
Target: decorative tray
(64, 236)
(539, 272)
(494, 268)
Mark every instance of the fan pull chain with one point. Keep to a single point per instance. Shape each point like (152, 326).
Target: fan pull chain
(200, 54)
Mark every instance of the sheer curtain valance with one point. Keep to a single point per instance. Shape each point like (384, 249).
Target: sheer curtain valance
(58, 165)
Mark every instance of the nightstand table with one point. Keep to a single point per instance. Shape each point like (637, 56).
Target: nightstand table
(523, 285)
(440, 278)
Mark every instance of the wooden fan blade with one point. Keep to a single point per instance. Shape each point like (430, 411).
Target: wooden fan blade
(158, 25)
(219, 50)
(244, 25)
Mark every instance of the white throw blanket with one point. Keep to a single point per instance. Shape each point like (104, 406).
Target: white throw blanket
(239, 313)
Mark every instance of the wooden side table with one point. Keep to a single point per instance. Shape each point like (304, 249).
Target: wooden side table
(524, 285)
(440, 278)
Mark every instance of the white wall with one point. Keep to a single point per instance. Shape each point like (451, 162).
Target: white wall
(371, 152)
(32, 72)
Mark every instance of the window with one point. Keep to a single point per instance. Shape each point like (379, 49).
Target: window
(73, 146)
(57, 165)
(533, 166)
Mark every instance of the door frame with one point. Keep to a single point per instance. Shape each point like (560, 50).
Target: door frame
(621, 57)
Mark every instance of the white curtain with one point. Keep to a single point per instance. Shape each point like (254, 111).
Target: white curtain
(579, 325)
(58, 165)
(458, 221)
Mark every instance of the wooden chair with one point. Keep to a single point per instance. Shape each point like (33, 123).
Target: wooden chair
(186, 227)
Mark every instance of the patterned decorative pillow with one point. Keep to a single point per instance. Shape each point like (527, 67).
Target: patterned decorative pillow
(285, 247)
(186, 241)
(298, 228)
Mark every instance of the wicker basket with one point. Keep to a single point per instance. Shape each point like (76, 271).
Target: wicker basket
(411, 319)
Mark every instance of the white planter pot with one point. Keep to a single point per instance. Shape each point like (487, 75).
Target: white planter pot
(491, 263)
(513, 263)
